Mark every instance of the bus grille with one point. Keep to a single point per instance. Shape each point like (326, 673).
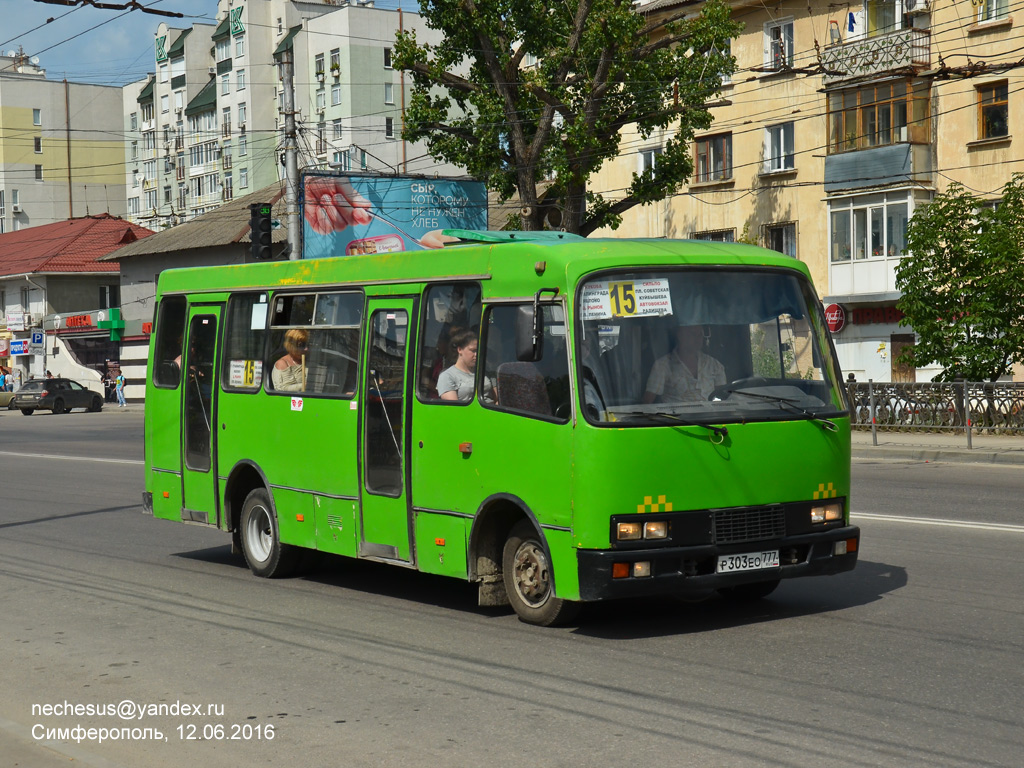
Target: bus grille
(737, 525)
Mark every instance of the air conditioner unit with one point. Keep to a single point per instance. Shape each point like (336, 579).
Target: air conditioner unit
(15, 208)
(917, 7)
(213, 70)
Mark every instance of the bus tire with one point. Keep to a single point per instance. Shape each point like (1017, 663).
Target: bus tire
(748, 593)
(261, 540)
(526, 571)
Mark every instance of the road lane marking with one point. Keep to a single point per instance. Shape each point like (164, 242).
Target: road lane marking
(71, 458)
(1005, 527)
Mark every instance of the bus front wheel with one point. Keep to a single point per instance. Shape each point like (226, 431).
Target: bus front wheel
(527, 574)
(261, 541)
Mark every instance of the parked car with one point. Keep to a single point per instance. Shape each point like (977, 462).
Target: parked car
(7, 400)
(57, 395)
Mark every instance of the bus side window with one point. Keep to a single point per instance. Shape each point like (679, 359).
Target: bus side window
(245, 333)
(170, 328)
(538, 388)
(447, 309)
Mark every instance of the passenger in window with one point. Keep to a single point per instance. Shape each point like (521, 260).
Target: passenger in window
(289, 372)
(456, 382)
(685, 373)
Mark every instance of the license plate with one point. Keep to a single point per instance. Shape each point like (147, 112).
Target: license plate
(750, 561)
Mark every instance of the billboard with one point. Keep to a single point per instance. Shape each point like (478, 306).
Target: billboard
(352, 215)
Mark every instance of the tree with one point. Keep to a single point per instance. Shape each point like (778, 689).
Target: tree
(961, 283)
(601, 67)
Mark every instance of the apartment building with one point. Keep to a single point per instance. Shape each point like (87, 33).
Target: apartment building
(61, 148)
(838, 123)
(207, 125)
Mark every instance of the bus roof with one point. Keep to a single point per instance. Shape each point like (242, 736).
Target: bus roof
(522, 265)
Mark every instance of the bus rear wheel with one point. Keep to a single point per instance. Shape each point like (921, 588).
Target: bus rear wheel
(527, 574)
(261, 540)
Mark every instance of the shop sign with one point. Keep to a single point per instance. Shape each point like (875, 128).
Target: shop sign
(870, 315)
(15, 321)
(19, 347)
(835, 316)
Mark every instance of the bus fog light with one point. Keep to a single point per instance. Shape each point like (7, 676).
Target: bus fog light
(656, 529)
(642, 569)
(839, 548)
(628, 531)
(826, 513)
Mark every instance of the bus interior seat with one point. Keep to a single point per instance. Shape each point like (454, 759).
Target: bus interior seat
(170, 374)
(521, 387)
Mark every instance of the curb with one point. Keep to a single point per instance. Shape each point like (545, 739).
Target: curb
(964, 456)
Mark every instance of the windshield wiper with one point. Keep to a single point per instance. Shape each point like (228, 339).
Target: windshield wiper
(719, 431)
(785, 402)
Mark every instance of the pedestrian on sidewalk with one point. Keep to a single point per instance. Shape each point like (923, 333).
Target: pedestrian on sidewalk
(119, 386)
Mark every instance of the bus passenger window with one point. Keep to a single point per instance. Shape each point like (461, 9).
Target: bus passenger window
(314, 342)
(245, 333)
(534, 388)
(170, 328)
(447, 310)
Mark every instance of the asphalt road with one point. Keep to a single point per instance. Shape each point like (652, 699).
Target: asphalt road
(911, 660)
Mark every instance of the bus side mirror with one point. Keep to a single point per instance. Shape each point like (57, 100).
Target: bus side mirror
(529, 332)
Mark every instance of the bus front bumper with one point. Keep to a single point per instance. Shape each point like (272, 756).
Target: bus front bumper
(694, 570)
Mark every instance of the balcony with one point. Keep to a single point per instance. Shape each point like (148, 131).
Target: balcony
(905, 50)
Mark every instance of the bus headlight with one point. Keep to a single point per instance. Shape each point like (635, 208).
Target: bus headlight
(628, 531)
(827, 513)
(656, 529)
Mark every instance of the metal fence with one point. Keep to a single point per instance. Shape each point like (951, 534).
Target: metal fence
(962, 406)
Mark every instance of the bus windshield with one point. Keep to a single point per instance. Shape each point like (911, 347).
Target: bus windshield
(704, 346)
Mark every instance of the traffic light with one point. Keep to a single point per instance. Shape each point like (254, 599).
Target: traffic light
(259, 226)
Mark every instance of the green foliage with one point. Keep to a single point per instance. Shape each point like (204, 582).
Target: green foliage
(601, 67)
(962, 281)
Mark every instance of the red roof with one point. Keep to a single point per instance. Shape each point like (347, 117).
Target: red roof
(67, 246)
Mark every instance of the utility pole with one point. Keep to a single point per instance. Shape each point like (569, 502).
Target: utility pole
(291, 161)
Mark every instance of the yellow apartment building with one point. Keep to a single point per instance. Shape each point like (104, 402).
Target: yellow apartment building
(839, 121)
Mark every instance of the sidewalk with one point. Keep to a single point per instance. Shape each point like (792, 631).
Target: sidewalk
(921, 445)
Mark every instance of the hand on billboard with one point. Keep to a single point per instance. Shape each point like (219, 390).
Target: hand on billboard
(436, 239)
(332, 205)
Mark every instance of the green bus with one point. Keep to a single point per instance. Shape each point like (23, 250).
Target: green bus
(630, 417)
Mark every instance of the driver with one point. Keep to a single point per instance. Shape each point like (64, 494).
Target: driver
(685, 373)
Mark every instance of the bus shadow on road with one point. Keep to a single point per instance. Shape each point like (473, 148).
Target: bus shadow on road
(794, 598)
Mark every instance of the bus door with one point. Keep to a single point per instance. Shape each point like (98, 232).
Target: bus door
(199, 368)
(385, 513)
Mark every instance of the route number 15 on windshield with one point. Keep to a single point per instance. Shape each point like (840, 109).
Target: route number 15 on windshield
(623, 299)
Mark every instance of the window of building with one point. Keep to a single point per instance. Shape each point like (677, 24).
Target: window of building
(336, 61)
(37, 117)
(151, 202)
(226, 121)
(648, 159)
(781, 238)
(165, 103)
(133, 121)
(38, 145)
(778, 147)
(993, 110)
(164, 73)
(389, 127)
(240, 82)
(882, 16)
(321, 99)
(39, 173)
(336, 130)
(716, 235)
(240, 46)
(336, 94)
(389, 93)
(318, 64)
(227, 188)
(243, 146)
(147, 112)
(242, 114)
(133, 206)
(223, 49)
(868, 227)
(15, 197)
(243, 177)
(167, 194)
(879, 115)
(280, 25)
(179, 99)
(991, 10)
(714, 157)
(387, 58)
(778, 44)
(225, 84)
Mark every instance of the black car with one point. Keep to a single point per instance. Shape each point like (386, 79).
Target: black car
(57, 395)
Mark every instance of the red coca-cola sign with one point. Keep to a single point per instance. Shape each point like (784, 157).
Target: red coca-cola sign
(835, 316)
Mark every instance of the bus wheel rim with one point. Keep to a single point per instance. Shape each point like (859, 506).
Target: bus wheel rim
(259, 533)
(531, 574)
